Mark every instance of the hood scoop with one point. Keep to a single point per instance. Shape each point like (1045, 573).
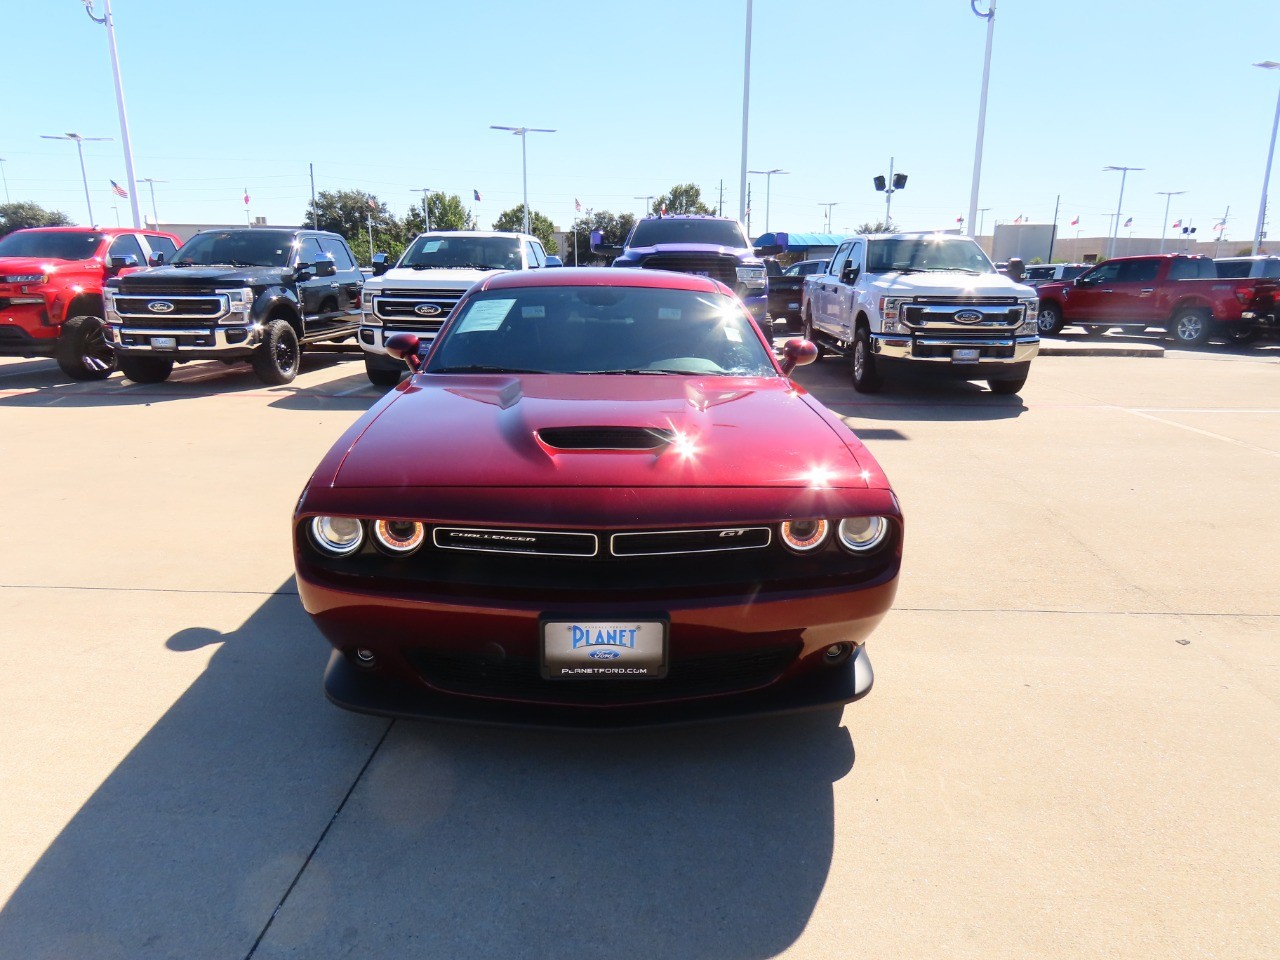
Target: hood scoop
(605, 438)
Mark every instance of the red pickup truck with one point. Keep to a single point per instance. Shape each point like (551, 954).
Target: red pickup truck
(1180, 294)
(51, 291)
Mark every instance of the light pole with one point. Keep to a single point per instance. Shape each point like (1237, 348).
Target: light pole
(1168, 198)
(1262, 207)
(109, 22)
(895, 182)
(768, 183)
(6, 180)
(151, 184)
(647, 205)
(982, 215)
(990, 17)
(426, 214)
(746, 103)
(1115, 226)
(833, 203)
(521, 132)
(79, 141)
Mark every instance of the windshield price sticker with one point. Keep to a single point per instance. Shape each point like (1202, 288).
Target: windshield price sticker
(604, 650)
(485, 315)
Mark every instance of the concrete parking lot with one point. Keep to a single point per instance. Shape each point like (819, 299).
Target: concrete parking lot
(1070, 751)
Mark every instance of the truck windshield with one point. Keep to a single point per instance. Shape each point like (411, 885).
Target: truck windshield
(475, 253)
(51, 244)
(926, 253)
(236, 248)
(722, 233)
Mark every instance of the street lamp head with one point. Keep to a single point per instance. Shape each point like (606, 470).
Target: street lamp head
(1123, 168)
(1268, 65)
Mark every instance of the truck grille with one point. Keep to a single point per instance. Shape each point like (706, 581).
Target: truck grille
(520, 679)
(398, 309)
(724, 269)
(184, 307)
(940, 314)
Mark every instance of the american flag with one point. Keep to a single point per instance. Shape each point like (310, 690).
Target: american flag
(1219, 225)
(1129, 222)
(246, 196)
(476, 193)
(118, 190)
(373, 203)
(577, 204)
(1076, 221)
(1177, 224)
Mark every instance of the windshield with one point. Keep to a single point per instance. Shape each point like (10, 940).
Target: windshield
(926, 253)
(806, 267)
(236, 248)
(51, 244)
(602, 329)
(723, 233)
(475, 253)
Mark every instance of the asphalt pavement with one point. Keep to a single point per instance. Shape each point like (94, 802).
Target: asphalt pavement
(1070, 749)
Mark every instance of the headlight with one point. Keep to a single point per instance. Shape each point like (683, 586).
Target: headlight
(862, 534)
(890, 306)
(337, 536)
(751, 277)
(25, 278)
(803, 536)
(398, 537)
(1028, 326)
(367, 296)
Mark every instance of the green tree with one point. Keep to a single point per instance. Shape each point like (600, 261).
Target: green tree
(682, 198)
(447, 213)
(19, 216)
(614, 227)
(880, 226)
(512, 221)
(351, 214)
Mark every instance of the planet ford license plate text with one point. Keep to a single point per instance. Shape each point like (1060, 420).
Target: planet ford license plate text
(967, 355)
(604, 649)
(164, 343)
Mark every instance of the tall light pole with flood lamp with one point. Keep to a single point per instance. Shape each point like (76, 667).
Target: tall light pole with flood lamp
(79, 141)
(107, 21)
(1115, 227)
(522, 132)
(990, 17)
(833, 203)
(1262, 207)
(1168, 197)
(768, 183)
(6, 180)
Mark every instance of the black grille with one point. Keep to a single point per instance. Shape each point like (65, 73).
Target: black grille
(517, 679)
(661, 542)
(724, 269)
(188, 306)
(199, 338)
(1003, 351)
(915, 314)
(606, 438)
(538, 542)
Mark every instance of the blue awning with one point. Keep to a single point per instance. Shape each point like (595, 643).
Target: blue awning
(802, 241)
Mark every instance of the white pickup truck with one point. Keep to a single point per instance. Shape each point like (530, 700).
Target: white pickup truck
(927, 302)
(418, 293)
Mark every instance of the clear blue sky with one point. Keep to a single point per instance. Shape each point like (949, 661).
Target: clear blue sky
(395, 95)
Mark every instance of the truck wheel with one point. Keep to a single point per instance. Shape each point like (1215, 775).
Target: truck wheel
(1049, 319)
(82, 350)
(1006, 386)
(806, 330)
(862, 364)
(380, 376)
(1239, 333)
(146, 369)
(1190, 326)
(277, 359)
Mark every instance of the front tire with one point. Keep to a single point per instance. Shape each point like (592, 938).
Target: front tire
(82, 350)
(862, 364)
(146, 369)
(1191, 326)
(1006, 387)
(380, 376)
(277, 359)
(1049, 320)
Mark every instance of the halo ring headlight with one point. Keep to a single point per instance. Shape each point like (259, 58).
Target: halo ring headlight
(337, 536)
(862, 534)
(802, 536)
(398, 537)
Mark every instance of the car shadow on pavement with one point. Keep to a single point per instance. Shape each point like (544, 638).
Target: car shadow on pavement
(253, 795)
(945, 402)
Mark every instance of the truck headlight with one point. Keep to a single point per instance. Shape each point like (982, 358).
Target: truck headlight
(367, 296)
(890, 307)
(751, 278)
(239, 304)
(1029, 317)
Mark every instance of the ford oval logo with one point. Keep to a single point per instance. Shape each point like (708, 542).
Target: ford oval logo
(968, 316)
(604, 654)
(160, 306)
(426, 309)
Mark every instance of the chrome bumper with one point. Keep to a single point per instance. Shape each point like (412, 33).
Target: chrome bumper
(899, 347)
(247, 336)
(373, 338)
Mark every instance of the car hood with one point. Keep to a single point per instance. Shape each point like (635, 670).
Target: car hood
(25, 266)
(467, 431)
(699, 248)
(438, 278)
(952, 284)
(170, 278)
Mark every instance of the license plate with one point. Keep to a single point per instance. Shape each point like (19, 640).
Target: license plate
(793, 306)
(164, 343)
(604, 649)
(967, 355)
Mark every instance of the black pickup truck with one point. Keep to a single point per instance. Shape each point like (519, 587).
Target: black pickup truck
(252, 293)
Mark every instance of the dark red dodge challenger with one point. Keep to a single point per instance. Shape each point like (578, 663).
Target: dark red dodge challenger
(599, 501)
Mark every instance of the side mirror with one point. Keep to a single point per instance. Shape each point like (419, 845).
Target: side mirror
(380, 264)
(325, 266)
(157, 258)
(302, 270)
(779, 245)
(599, 247)
(404, 346)
(797, 353)
(850, 273)
(553, 261)
(123, 263)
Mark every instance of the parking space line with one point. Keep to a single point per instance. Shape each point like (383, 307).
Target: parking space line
(1203, 433)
